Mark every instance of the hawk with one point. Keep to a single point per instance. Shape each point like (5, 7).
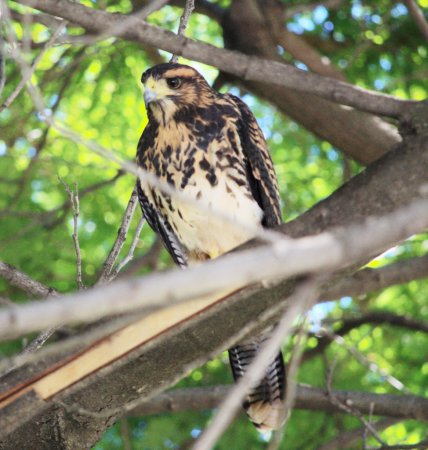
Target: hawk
(209, 147)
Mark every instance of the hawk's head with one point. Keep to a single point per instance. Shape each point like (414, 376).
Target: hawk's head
(170, 87)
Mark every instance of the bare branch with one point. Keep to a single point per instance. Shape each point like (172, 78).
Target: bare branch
(130, 254)
(118, 28)
(350, 323)
(74, 201)
(284, 259)
(184, 20)
(32, 287)
(2, 65)
(370, 280)
(371, 365)
(347, 407)
(149, 259)
(24, 282)
(243, 66)
(120, 240)
(418, 17)
(26, 76)
(307, 397)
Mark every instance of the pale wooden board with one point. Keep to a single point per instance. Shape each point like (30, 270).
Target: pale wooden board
(114, 346)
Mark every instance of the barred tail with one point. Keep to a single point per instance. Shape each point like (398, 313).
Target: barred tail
(264, 404)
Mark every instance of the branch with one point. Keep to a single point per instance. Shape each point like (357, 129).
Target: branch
(2, 65)
(370, 280)
(327, 251)
(307, 397)
(350, 323)
(120, 240)
(418, 17)
(32, 287)
(74, 201)
(24, 282)
(33, 67)
(130, 255)
(245, 67)
(184, 20)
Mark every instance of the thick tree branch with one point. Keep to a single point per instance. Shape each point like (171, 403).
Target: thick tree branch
(359, 135)
(328, 251)
(200, 399)
(245, 67)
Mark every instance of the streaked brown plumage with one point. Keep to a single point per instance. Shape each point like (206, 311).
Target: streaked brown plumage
(210, 147)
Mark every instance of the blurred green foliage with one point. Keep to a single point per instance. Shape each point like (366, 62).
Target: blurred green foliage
(95, 90)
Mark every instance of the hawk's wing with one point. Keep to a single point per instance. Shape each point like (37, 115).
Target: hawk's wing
(261, 173)
(154, 218)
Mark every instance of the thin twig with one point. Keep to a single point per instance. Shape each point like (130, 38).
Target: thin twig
(184, 20)
(120, 27)
(130, 254)
(303, 298)
(74, 200)
(347, 438)
(293, 367)
(346, 408)
(2, 64)
(418, 17)
(120, 240)
(26, 76)
(371, 365)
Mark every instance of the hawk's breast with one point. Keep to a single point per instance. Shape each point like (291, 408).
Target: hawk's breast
(221, 212)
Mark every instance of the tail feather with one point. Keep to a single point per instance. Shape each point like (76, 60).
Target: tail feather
(264, 404)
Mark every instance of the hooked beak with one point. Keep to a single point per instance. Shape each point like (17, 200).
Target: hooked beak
(149, 96)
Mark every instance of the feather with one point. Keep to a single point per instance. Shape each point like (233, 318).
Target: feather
(261, 173)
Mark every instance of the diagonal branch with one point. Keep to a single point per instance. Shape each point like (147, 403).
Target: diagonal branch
(26, 77)
(350, 323)
(243, 66)
(22, 281)
(418, 17)
(327, 251)
(120, 240)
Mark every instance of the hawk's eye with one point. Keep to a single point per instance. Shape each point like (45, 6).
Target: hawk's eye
(173, 83)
